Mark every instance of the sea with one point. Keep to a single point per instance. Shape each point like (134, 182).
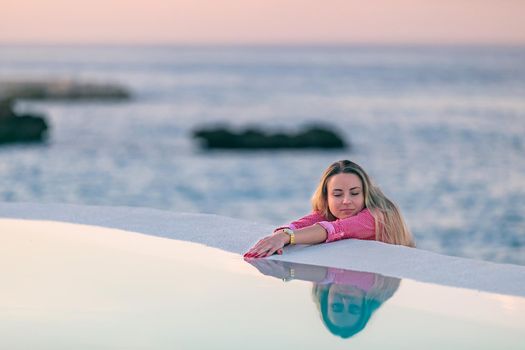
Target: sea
(441, 129)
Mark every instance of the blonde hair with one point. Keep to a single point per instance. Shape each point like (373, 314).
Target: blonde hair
(389, 224)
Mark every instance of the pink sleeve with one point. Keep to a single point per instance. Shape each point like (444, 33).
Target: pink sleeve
(360, 226)
(305, 221)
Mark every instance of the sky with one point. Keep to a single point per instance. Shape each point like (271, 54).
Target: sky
(263, 21)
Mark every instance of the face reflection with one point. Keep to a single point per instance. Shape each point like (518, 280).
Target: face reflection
(345, 195)
(345, 304)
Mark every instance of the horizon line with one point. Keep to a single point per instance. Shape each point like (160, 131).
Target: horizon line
(260, 44)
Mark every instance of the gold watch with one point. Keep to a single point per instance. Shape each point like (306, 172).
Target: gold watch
(290, 233)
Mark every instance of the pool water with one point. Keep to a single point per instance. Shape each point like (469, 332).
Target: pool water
(69, 286)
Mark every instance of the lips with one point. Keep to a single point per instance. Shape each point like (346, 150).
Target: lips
(347, 210)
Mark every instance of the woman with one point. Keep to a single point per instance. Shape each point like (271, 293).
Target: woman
(345, 205)
(347, 306)
(345, 299)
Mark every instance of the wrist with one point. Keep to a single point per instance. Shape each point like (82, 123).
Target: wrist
(283, 236)
(291, 236)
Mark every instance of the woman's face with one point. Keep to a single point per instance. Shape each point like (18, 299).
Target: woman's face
(345, 305)
(345, 195)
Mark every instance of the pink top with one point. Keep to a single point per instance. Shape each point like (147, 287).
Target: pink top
(362, 280)
(360, 226)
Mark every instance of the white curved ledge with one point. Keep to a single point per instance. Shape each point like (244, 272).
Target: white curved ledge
(237, 236)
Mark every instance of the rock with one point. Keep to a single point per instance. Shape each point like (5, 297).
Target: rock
(61, 89)
(311, 137)
(20, 128)
(6, 108)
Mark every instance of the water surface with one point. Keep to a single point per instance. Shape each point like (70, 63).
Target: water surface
(68, 286)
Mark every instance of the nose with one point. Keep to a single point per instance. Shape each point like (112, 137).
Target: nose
(347, 199)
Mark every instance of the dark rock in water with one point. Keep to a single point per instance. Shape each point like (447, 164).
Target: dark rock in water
(312, 137)
(20, 128)
(62, 90)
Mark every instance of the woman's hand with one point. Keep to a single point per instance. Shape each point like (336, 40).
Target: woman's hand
(269, 245)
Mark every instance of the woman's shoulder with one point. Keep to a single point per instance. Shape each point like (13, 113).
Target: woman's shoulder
(318, 213)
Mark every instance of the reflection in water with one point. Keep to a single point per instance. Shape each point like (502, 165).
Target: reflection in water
(346, 299)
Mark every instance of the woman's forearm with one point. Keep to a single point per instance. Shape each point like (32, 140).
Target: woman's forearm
(310, 235)
(275, 242)
(307, 235)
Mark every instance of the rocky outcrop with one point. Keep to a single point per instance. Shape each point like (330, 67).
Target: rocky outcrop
(20, 128)
(61, 89)
(312, 137)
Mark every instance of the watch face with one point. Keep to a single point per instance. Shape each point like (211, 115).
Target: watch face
(290, 233)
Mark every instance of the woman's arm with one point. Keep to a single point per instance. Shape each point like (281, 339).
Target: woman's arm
(275, 242)
(305, 221)
(360, 226)
(308, 235)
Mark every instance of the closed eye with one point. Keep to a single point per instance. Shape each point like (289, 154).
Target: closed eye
(337, 307)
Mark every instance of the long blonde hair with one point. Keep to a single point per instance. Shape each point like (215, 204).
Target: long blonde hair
(389, 224)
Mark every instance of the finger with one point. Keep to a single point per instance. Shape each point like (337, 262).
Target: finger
(252, 253)
(255, 252)
(262, 254)
(256, 247)
(260, 245)
(280, 251)
(265, 247)
(272, 251)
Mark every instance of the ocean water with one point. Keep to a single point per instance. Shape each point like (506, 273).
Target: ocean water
(440, 129)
